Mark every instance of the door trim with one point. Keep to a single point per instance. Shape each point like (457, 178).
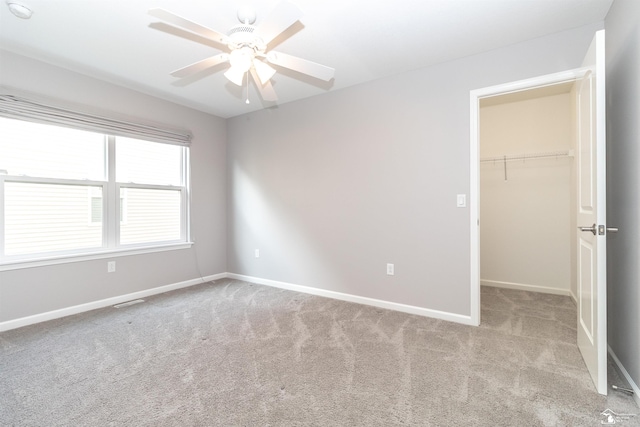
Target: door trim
(474, 165)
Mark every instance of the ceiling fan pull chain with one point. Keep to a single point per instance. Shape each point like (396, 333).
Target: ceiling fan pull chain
(247, 101)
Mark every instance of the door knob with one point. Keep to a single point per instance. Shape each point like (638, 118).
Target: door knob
(599, 229)
(593, 229)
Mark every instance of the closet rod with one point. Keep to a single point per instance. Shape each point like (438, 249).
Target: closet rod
(549, 154)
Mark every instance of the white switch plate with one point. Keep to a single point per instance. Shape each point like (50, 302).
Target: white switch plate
(257, 253)
(111, 266)
(461, 201)
(390, 269)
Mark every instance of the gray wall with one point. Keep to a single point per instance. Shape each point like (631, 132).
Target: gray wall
(32, 291)
(623, 182)
(332, 188)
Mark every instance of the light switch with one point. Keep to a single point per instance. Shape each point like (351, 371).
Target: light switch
(390, 269)
(461, 201)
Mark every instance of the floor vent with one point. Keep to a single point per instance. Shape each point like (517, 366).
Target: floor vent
(128, 303)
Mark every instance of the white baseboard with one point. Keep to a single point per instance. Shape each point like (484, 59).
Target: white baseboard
(68, 311)
(420, 311)
(523, 287)
(572, 295)
(81, 308)
(625, 374)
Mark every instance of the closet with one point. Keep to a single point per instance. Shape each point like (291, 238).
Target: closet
(527, 190)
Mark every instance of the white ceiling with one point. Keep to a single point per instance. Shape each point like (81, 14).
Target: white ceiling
(115, 40)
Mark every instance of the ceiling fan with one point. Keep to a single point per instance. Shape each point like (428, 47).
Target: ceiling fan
(247, 47)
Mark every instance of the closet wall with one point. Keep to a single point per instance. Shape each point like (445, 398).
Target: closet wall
(526, 205)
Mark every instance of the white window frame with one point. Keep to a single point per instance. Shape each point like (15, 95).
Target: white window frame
(111, 225)
(123, 207)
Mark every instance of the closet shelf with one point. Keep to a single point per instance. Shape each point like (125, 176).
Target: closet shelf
(545, 155)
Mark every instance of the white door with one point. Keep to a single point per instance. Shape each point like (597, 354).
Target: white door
(591, 215)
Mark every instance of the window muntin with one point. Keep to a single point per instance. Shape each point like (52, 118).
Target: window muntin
(58, 198)
(96, 206)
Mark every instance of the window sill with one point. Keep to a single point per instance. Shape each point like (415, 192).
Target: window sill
(64, 259)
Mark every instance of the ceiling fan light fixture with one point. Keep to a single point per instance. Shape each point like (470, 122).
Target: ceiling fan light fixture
(235, 75)
(264, 71)
(241, 59)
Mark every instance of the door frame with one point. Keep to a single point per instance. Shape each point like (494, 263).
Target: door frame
(474, 165)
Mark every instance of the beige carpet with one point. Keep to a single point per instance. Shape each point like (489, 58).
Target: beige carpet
(230, 353)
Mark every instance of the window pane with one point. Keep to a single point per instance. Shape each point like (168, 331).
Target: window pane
(145, 162)
(42, 218)
(151, 215)
(50, 151)
(96, 209)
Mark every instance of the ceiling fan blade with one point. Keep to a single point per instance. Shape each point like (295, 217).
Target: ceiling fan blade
(282, 17)
(188, 25)
(196, 67)
(266, 90)
(309, 68)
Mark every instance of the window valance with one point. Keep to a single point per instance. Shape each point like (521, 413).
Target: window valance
(15, 107)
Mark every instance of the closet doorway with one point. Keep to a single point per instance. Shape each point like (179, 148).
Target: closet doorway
(527, 190)
(587, 189)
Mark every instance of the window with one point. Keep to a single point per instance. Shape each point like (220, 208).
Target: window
(154, 202)
(70, 192)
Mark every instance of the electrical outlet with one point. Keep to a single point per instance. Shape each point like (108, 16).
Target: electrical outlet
(257, 253)
(390, 269)
(111, 266)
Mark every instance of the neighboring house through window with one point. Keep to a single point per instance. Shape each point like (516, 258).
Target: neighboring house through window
(96, 206)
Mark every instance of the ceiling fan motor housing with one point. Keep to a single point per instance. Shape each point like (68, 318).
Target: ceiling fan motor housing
(244, 36)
